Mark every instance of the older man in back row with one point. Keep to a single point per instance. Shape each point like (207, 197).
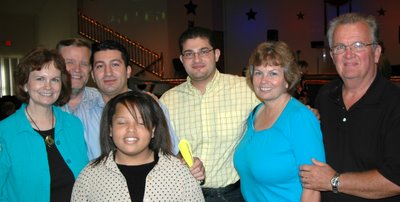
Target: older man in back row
(360, 120)
(76, 53)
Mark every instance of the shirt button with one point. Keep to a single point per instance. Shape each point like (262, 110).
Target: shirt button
(68, 161)
(58, 142)
(344, 119)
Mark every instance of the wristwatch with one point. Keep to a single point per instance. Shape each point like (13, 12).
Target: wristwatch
(335, 182)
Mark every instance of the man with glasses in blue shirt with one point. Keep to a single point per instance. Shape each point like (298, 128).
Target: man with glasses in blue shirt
(360, 120)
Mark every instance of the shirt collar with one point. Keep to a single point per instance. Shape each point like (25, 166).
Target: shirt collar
(209, 86)
(26, 125)
(372, 95)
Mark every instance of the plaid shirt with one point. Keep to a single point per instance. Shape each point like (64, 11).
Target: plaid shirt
(212, 122)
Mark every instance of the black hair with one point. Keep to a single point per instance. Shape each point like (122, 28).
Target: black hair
(195, 32)
(153, 119)
(110, 45)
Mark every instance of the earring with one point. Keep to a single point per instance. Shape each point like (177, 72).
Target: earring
(287, 85)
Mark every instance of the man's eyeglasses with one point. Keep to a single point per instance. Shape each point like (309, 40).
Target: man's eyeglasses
(201, 53)
(357, 46)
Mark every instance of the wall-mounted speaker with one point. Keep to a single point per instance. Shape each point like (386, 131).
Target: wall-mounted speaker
(317, 44)
(272, 35)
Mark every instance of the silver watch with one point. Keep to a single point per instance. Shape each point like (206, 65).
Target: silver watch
(335, 182)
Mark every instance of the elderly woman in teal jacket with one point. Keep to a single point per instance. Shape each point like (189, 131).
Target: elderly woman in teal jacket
(42, 149)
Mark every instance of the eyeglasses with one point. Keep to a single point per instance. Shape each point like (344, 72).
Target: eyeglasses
(357, 46)
(204, 52)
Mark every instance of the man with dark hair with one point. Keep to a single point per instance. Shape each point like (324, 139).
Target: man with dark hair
(210, 110)
(111, 71)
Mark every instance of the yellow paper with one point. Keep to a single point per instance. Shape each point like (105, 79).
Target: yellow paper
(186, 151)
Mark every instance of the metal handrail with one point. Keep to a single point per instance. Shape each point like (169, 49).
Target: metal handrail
(140, 56)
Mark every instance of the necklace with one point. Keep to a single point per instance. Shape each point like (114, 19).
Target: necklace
(48, 139)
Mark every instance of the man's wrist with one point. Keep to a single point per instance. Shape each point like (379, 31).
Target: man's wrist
(335, 182)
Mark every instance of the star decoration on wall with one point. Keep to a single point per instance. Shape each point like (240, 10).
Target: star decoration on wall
(381, 12)
(300, 16)
(190, 8)
(251, 15)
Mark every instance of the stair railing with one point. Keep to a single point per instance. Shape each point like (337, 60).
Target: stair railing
(140, 56)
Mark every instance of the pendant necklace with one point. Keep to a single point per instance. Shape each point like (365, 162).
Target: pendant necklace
(48, 139)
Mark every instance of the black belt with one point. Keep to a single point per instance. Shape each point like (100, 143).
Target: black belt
(222, 190)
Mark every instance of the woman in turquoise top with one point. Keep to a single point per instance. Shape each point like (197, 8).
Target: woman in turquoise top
(281, 134)
(42, 148)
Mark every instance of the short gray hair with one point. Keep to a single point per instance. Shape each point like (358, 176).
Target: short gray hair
(351, 18)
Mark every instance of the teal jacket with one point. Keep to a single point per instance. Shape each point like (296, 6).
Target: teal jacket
(24, 170)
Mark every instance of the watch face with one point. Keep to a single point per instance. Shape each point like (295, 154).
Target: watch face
(335, 181)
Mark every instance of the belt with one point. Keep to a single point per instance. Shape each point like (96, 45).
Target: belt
(221, 190)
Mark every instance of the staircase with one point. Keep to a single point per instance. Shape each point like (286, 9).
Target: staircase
(150, 70)
(146, 60)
